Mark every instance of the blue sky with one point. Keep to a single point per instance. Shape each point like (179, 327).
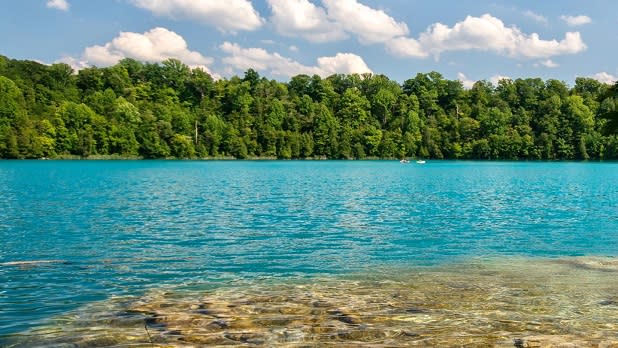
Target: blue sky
(467, 40)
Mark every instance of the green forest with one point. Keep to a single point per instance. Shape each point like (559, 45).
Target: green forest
(168, 110)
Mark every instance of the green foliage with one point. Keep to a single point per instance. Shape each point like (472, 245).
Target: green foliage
(610, 110)
(170, 110)
(11, 101)
(182, 146)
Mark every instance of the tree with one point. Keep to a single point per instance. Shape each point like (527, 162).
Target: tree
(214, 129)
(74, 133)
(610, 98)
(11, 102)
(198, 87)
(353, 108)
(182, 147)
(90, 80)
(326, 128)
(161, 110)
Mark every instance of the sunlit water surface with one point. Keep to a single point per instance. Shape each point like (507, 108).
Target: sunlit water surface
(151, 253)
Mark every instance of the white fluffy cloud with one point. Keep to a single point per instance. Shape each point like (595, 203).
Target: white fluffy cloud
(304, 19)
(535, 16)
(228, 15)
(605, 77)
(342, 63)
(62, 5)
(338, 19)
(574, 21)
(466, 82)
(240, 58)
(335, 21)
(368, 24)
(155, 45)
(497, 78)
(485, 33)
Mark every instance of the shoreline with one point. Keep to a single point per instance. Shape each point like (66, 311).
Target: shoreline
(275, 159)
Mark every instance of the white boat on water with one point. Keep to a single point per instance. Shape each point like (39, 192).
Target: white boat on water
(420, 161)
(404, 161)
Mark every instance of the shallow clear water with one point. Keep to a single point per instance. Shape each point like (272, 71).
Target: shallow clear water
(80, 235)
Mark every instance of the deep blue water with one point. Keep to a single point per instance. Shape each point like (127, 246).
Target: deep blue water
(120, 227)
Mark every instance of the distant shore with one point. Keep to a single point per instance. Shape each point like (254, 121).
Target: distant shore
(270, 158)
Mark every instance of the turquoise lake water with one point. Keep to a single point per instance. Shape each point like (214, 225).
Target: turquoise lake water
(73, 234)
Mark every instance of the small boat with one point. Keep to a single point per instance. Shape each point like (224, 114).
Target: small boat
(420, 161)
(404, 161)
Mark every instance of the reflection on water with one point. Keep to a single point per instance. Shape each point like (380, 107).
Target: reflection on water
(514, 302)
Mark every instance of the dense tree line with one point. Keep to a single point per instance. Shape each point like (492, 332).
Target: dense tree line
(169, 110)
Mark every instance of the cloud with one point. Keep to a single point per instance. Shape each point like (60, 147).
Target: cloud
(574, 21)
(467, 83)
(485, 33)
(497, 78)
(535, 16)
(240, 58)
(75, 63)
(229, 15)
(293, 48)
(155, 45)
(406, 47)
(62, 5)
(338, 19)
(368, 24)
(605, 77)
(335, 21)
(548, 63)
(343, 63)
(301, 18)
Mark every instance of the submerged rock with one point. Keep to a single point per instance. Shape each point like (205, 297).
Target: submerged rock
(344, 317)
(607, 264)
(245, 337)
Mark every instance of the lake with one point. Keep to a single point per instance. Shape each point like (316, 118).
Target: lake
(268, 253)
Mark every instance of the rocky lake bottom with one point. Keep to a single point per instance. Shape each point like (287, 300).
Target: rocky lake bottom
(506, 302)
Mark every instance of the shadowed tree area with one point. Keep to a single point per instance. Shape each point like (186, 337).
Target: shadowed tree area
(168, 110)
